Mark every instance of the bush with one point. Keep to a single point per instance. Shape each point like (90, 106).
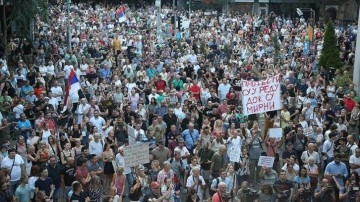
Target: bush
(343, 77)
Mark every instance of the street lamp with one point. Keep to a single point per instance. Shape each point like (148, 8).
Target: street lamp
(356, 74)
(158, 23)
(68, 24)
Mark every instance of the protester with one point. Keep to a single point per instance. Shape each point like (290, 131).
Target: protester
(76, 111)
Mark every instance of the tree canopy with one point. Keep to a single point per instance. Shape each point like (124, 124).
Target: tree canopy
(330, 53)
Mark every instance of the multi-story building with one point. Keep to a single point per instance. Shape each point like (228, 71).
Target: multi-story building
(342, 10)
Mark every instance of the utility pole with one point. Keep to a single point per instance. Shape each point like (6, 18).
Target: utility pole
(189, 8)
(68, 25)
(158, 23)
(356, 74)
(174, 10)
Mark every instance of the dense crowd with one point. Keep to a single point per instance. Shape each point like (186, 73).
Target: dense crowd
(181, 94)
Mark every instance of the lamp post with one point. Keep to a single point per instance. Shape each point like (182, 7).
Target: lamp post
(68, 24)
(158, 23)
(174, 10)
(356, 74)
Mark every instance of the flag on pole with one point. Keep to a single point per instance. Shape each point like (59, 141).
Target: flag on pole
(72, 87)
(120, 14)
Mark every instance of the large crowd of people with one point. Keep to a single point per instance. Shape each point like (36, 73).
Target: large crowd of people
(180, 91)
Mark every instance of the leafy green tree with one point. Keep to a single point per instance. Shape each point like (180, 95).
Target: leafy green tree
(330, 53)
(24, 12)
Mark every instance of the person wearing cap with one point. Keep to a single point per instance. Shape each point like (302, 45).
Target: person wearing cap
(184, 153)
(343, 150)
(288, 152)
(155, 194)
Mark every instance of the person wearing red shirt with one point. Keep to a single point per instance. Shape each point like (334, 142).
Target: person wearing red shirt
(160, 84)
(217, 197)
(82, 173)
(349, 103)
(231, 91)
(195, 90)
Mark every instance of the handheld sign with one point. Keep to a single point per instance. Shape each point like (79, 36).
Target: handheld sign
(308, 131)
(234, 154)
(261, 96)
(136, 154)
(266, 161)
(276, 133)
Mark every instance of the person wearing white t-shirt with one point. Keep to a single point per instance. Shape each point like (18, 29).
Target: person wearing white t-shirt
(354, 161)
(57, 91)
(67, 69)
(96, 146)
(97, 121)
(223, 89)
(328, 149)
(13, 162)
(184, 152)
(310, 153)
(351, 144)
(196, 182)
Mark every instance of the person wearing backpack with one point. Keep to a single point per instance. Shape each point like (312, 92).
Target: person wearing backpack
(215, 182)
(177, 165)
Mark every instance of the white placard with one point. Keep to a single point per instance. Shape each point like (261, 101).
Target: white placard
(185, 24)
(266, 161)
(136, 154)
(308, 131)
(276, 133)
(261, 96)
(234, 154)
(131, 134)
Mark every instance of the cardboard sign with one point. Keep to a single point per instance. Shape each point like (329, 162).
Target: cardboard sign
(308, 131)
(266, 161)
(276, 133)
(261, 96)
(131, 134)
(234, 154)
(136, 154)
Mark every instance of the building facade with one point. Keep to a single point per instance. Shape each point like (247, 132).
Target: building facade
(341, 10)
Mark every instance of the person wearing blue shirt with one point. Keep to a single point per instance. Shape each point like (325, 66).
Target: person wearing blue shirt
(105, 73)
(337, 169)
(302, 182)
(24, 126)
(26, 89)
(151, 72)
(190, 136)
